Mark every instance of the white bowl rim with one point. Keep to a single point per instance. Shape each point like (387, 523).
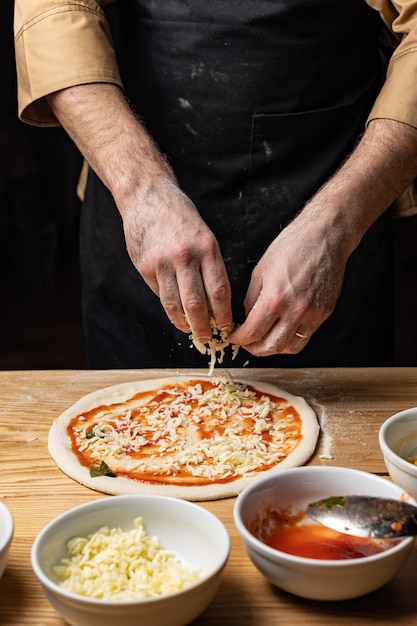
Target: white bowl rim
(8, 526)
(387, 451)
(70, 595)
(294, 559)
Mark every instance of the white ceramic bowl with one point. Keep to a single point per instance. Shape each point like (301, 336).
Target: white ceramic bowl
(398, 440)
(191, 532)
(307, 577)
(6, 535)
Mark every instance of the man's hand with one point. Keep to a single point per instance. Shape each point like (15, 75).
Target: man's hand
(297, 282)
(168, 242)
(293, 289)
(179, 258)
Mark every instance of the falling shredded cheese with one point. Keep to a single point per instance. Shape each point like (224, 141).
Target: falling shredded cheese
(216, 346)
(112, 564)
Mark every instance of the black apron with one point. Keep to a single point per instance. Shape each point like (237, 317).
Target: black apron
(255, 105)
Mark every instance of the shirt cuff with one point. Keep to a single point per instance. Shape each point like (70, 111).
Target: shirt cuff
(63, 47)
(397, 99)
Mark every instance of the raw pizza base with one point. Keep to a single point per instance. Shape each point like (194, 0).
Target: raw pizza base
(60, 447)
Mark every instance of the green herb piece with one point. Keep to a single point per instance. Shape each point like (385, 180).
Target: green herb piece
(90, 433)
(330, 502)
(101, 469)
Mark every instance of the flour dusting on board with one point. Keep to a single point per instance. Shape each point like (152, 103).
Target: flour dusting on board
(326, 441)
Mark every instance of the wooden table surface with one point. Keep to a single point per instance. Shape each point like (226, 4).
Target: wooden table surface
(351, 404)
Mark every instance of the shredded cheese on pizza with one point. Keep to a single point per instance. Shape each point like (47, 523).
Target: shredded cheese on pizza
(192, 432)
(112, 564)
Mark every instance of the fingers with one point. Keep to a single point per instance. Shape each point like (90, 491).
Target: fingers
(194, 304)
(218, 290)
(281, 338)
(276, 325)
(183, 297)
(293, 289)
(179, 258)
(195, 291)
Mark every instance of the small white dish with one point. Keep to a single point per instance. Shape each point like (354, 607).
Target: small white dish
(398, 441)
(6, 535)
(191, 532)
(312, 578)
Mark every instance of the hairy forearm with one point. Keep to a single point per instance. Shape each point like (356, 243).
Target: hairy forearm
(168, 242)
(381, 167)
(110, 137)
(296, 284)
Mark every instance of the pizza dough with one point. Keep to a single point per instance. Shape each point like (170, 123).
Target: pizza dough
(286, 441)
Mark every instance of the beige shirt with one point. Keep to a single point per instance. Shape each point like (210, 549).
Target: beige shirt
(49, 33)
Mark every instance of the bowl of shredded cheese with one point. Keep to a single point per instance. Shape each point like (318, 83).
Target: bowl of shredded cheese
(131, 559)
(6, 535)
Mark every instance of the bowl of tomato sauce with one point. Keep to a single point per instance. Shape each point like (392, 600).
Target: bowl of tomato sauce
(305, 558)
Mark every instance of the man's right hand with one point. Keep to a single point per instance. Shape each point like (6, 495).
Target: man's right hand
(179, 258)
(168, 242)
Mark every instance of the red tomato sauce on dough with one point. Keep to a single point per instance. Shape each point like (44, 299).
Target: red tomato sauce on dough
(159, 398)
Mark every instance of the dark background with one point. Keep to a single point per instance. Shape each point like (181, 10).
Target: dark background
(40, 314)
(40, 311)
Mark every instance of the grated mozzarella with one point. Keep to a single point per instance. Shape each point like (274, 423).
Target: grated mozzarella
(216, 346)
(221, 431)
(112, 564)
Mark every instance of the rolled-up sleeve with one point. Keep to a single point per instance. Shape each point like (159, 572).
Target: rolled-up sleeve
(59, 45)
(398, 97)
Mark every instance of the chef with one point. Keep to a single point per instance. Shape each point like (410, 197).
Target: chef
(242, 157)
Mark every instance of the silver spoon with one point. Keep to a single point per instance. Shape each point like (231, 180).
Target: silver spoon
(365, 516)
